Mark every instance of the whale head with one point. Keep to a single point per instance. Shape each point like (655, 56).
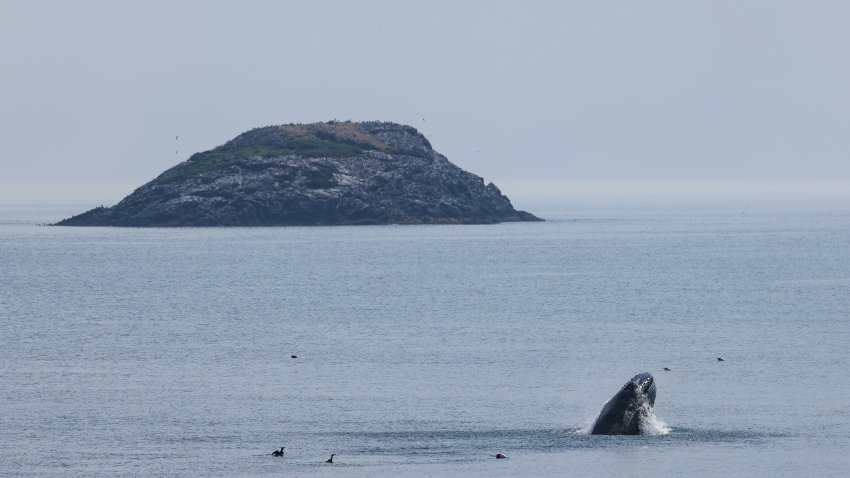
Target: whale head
(623, 413)
(642, 387)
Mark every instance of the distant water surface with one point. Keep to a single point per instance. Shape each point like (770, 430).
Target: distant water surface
(426, 350)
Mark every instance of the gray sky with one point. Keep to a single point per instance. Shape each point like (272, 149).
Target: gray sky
(93, 93)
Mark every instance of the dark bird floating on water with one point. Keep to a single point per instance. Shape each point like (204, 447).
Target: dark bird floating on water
(279, 452)
(319, 174)
(720, 359)
(331, 459)
(294, 356)
(499, 455)
(667, 369)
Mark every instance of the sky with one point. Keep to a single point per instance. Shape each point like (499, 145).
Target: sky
(538, 97)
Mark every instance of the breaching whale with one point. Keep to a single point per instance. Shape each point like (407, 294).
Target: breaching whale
(622, 415)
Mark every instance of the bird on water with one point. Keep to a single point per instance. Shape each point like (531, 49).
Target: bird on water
(279, 452)
(500, 456)
(331, 459)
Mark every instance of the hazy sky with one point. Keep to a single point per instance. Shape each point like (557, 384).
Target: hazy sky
(93, 93)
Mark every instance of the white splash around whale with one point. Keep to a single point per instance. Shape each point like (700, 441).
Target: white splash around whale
(650, 424)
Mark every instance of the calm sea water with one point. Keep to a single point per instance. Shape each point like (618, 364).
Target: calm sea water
(426, 350)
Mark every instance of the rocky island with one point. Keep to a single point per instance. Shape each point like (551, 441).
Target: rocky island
(334, 173)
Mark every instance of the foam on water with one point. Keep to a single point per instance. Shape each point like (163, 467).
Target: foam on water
(651, 425)
(588, 426)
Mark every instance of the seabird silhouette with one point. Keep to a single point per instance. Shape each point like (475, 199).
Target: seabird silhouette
(279, 452)
(331, 459)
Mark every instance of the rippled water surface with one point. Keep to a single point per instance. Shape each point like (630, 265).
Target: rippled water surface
(427, 350)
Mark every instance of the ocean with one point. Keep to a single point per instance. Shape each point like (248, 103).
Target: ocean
(426, 350)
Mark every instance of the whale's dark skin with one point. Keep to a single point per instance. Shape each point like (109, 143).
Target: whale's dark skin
(623, 413)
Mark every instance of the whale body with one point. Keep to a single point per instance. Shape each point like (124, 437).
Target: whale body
(623, 414)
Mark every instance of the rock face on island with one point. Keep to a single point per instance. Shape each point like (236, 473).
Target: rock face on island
(335, 173)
